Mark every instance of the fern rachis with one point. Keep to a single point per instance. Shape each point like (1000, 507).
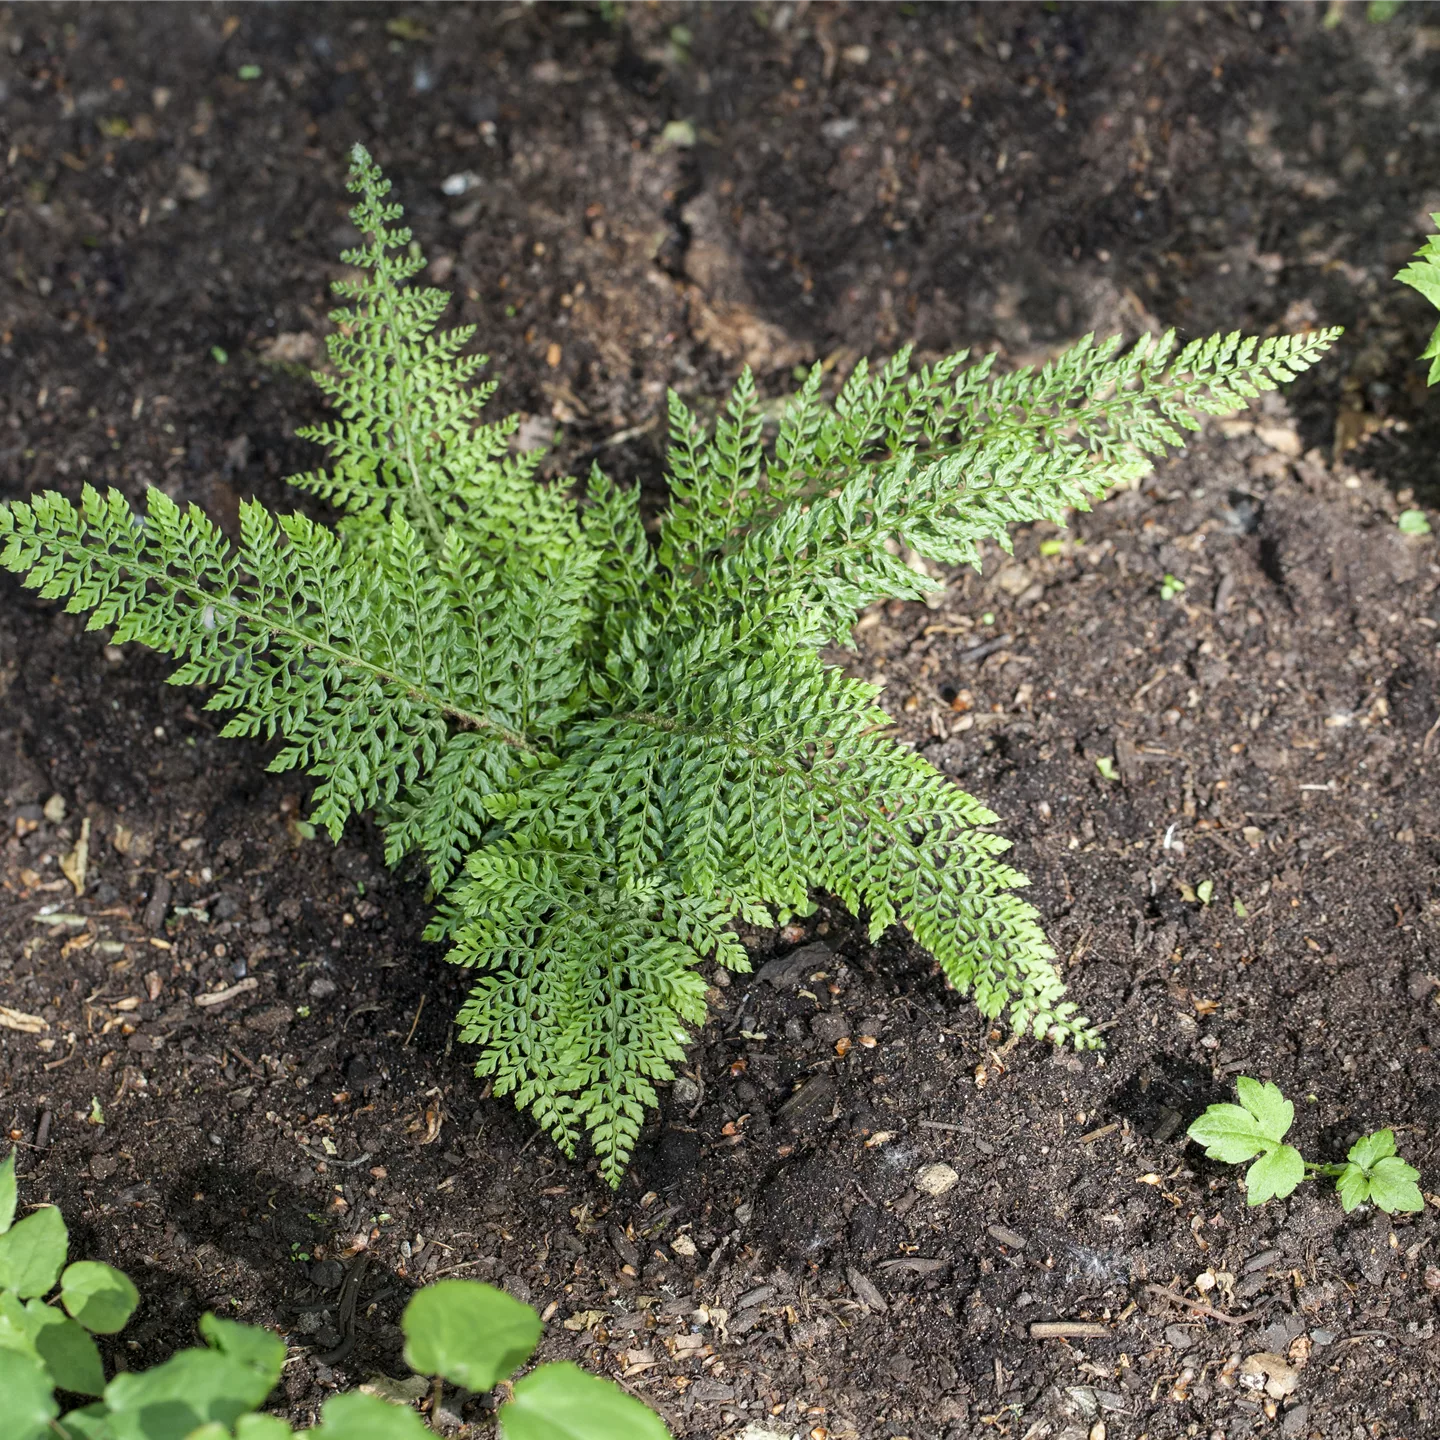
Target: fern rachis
(608, 747)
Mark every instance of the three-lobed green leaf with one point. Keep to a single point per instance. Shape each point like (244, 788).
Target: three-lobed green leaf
(1256, 1126)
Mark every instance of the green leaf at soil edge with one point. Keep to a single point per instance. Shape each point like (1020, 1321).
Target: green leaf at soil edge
(366, 1417)
(32, 1253)
(197, 1387)
(7, 1193)
(247, 1427)
(29, 1404)
(562, 1402)
(255, 1348)
(66, 1348)
(1393, 1187)
(471, 1333)
(99, 1296)
(1274, 1175)
(261, 1427)
(90, 1423)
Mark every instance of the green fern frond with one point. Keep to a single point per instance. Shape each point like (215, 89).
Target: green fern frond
(408, 436)
(606, 745)
(1425, 277)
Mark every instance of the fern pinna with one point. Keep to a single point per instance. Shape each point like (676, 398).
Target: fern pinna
(608, 746)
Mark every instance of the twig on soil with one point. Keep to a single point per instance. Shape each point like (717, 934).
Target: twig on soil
(331, 1160)
(42, 1131)
(414, 1024)
(250, 1065)
(1068, 1330)
(1197, 1306)
(1099, 1134)
(222, 997)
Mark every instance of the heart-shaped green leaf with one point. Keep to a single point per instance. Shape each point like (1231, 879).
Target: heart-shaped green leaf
(259, 1349)
(261, 1427)
(32, 1253)
(99, 1296)
(471, 1333)
(563, 1402)
(29, 1402)
(1274, 1175)
(66, 1348)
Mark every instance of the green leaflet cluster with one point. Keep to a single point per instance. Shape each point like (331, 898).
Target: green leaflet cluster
(1423, 274)
(608, 745)
(470, 1334)
(1256, 1128)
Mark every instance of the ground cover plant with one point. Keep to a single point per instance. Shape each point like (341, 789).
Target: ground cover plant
(1423, 274)
(1257, 1127)
(607, 745)
(462, 1331)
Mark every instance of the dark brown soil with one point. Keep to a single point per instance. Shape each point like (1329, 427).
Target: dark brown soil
(1007, 177)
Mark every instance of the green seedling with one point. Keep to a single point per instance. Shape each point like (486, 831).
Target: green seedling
(610, 740)
(1257, 1127)
(460, 1331)
(1170, 587)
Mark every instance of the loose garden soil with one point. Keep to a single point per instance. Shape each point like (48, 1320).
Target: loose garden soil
(637, 197)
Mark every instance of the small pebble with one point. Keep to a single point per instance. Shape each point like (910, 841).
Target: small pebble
(1268, 1371)
(936, 1179)
(322, 989)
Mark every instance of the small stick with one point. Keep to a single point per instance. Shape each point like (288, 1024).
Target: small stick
(1068, 1330)
(1099, 1134)
(414, 1024)
(1199, 1307)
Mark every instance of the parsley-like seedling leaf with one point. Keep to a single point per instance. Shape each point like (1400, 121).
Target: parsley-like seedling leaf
(1234, 1133)
(1272, 1111)
(1374, 1172)
(1369, 1150)
(1393, 1187)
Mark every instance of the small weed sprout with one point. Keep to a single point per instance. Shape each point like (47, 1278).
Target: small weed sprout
(1257, 1127)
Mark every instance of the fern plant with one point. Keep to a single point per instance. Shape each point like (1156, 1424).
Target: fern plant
(1423, 274)
(609, 744)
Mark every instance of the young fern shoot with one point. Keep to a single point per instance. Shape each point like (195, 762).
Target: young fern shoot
(608, 747)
